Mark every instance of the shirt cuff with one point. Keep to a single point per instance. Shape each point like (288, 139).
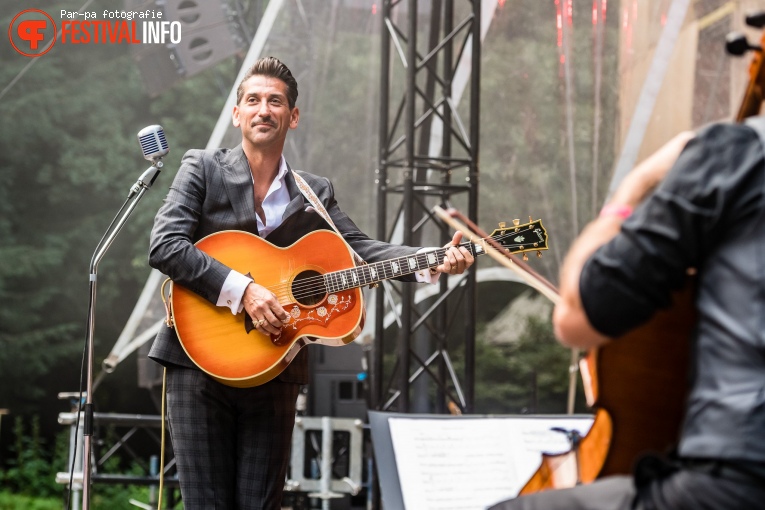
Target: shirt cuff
(425, 276)
(233, 290)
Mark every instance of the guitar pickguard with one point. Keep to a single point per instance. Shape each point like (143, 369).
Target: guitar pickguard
(334, 305)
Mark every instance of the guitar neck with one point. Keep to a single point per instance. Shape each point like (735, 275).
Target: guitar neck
(369, 274)
(530, 236)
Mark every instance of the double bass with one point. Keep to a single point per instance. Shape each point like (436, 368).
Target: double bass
(637, 384)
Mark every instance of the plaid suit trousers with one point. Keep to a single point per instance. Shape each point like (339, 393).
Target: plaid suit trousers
(231, 445)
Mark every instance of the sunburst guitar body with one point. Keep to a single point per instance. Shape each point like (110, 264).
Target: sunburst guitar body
(315, 280)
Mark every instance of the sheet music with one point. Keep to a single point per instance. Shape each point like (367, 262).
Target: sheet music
(467, 464)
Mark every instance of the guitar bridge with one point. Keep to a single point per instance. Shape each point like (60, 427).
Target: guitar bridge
(249, 325)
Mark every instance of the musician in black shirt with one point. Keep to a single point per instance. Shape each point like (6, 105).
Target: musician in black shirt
(698, 203)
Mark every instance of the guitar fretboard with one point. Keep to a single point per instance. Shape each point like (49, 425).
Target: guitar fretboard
(375, 272)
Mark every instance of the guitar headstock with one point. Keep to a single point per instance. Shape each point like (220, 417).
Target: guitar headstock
(518, 238)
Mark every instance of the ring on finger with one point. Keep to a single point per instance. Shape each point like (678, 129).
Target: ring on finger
(260, 322)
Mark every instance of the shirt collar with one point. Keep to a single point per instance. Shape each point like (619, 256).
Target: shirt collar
(279, 179)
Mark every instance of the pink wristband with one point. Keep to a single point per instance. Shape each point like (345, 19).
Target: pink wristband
(619, 210)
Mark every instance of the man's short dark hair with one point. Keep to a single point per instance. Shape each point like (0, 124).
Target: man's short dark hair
(275, 68)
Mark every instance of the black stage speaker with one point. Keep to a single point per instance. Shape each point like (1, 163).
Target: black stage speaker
(209, 33)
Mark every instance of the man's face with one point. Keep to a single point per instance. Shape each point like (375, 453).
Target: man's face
(263, 114)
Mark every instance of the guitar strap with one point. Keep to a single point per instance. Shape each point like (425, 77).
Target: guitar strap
(308, 193)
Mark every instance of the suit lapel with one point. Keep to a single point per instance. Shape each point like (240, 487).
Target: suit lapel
(238, 182)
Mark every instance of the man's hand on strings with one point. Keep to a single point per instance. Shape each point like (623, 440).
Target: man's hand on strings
(264, 309)
(457, 259)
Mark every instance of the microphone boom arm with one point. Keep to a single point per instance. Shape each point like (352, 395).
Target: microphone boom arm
(137, 191)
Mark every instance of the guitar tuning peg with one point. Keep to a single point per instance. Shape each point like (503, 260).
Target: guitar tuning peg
(737, 44)
(531, 220)
(516, 222)
(539, 254)
(756, 20)
(502, 224)
(525, 257)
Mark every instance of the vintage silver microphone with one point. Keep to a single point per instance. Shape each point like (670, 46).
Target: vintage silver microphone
(154, 147)
(153, 142)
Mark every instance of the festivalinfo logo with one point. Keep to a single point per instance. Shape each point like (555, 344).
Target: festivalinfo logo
(34, 32)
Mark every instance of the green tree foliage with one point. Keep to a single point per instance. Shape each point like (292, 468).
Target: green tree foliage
(528, 376)
(31, 471)
(69, 155)
(10, 501)
(29, 481)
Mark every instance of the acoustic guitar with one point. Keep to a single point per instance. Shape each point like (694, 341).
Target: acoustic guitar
(318, 284)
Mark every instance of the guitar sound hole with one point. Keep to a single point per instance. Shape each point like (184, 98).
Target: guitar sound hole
(308, 288)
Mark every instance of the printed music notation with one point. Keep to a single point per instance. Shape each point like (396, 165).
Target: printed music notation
(468, 463)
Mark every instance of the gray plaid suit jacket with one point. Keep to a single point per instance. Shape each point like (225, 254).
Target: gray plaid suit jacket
(213, 191)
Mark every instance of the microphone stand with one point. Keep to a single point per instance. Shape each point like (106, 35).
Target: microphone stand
(137, 192)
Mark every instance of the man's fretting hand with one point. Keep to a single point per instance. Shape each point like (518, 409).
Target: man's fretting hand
(457, 259)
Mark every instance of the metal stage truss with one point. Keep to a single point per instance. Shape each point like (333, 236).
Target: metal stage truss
(428, 155)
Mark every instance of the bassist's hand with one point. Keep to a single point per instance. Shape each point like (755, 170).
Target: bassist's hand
(457, 258)
(264, 309)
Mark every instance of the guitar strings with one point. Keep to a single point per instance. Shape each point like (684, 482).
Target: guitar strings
(316, 285)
